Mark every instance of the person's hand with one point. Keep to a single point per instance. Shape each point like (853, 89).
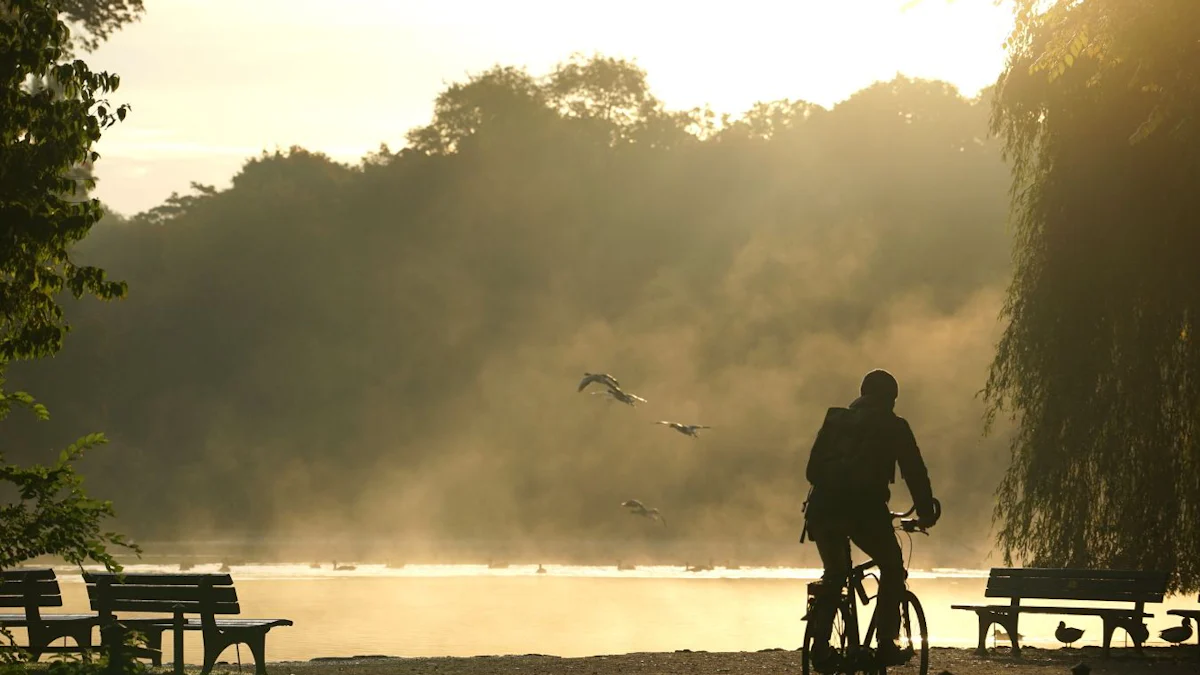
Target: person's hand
(928, 520)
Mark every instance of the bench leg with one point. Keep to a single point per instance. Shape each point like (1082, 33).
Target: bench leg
(37, 645)
(257, 642)
(112, 637)
(154, 641)
(1010, 625)
(985, 622)
(1110, 625)
(82, 636)
(214, 644)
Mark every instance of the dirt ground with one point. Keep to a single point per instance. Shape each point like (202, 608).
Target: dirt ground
(1158, 661)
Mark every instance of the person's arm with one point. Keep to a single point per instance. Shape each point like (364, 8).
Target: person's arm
(822, 435)
(916, 476)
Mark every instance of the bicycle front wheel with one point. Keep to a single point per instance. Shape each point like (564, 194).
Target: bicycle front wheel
(914, 633)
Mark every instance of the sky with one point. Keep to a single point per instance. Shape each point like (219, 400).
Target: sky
(214, 82)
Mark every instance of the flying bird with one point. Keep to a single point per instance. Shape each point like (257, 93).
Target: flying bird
(1177, 634)
(685, 429)
(622, 396)
(608, 380)
(639, 509)
(1067, 635)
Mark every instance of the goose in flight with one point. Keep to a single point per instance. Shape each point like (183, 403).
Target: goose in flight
(1177, 634)
(685, 429)
(608, 380)
(639, 509)
(1067, 635)
(622, 396)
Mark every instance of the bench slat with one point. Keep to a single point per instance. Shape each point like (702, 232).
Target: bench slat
(20, 620)
(38, 601)
(160, 579)
(1077, 589)
(196, 624)
(168, 606)
(1124, 585)
(1061, 573)
(31, 573)
(11, 589)
(1082, 611)
(178, 593)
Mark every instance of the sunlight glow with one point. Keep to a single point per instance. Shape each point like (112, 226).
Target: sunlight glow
(344, 80)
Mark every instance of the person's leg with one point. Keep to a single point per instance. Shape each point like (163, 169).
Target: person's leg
(877, 539)
(833, 546)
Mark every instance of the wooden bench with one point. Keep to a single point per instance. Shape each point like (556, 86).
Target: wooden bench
(205, 595)
(33, 589)
(1017, 584)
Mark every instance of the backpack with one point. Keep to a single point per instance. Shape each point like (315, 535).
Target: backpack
(847, 458)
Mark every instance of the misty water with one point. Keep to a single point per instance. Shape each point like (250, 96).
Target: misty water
(467, 610)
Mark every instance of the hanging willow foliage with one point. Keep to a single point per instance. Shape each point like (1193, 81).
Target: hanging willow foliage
(1099, 363)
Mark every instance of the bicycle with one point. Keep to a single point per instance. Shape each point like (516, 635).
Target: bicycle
(850, 655)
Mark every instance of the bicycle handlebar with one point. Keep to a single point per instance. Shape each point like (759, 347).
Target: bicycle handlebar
(912, 524)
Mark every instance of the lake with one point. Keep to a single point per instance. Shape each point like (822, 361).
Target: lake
(467, 610)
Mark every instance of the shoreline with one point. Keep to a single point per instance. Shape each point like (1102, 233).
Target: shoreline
(958, 661)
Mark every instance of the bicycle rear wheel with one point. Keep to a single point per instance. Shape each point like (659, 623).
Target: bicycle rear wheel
(841, 644)
(914, 633)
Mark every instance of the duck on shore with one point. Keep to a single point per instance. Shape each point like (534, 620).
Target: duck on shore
(1067, 635)
(1177, 634)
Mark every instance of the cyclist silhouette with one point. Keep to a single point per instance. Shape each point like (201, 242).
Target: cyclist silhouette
(852, 462)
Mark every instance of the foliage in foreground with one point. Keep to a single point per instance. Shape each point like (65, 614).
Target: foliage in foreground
(1099, 362)
(44, 133)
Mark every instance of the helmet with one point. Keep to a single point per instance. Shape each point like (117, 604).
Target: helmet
(880, 383)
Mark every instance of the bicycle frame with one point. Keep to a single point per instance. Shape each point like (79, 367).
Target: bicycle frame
(854, 582)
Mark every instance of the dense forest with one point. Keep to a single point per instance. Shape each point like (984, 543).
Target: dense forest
(392, 348)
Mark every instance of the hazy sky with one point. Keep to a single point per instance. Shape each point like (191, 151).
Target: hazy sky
(213, 82)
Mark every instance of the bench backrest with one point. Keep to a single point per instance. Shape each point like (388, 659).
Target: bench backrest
(1075, 584)
(204, 594)
(30, 589)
